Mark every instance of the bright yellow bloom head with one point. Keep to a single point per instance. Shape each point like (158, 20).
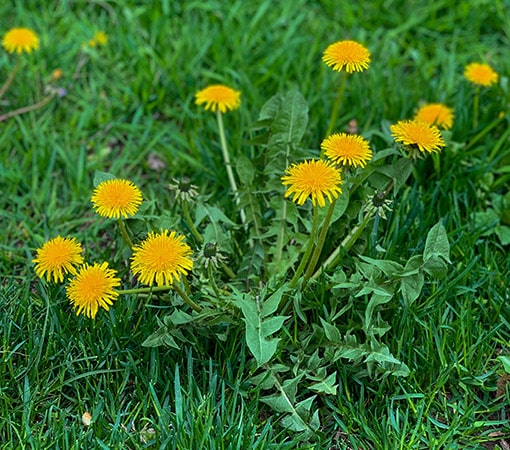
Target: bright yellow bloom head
(349, 54)
(347, 149)
(481, 74)
(92, 287)
(218, 97)
(161, 258)
(421, 135)
(436, 114)
(315, 178)
(58, 257)
(116, 198)
(20, 40)
(100, 38)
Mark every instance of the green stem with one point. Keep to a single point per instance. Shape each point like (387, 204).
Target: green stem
(336, 105)
(145, 290)
(476, 104)
(124, 233)
(190, 223)
(228, 270)
(25, 109)
(228, 164)
(212, 281)
(10, 78)
(308, 250)
(346, 244)
(186, 298)
(322, 238)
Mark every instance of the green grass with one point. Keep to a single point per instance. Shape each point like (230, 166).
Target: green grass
(134, 97)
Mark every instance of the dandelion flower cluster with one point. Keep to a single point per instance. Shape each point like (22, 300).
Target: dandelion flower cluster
(347, 149)
(100, 38)
(426, 137)
(436, 114)
(481, 74)
(57, 257)
(218, 97)
(93, 287)
(19, 40)
(350, 55)
(161, 258)
(314, 178)
(116, 198)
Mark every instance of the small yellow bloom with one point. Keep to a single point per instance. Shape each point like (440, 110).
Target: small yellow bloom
(58, 257)
(161, 258)
(436, 114)
(421, 135)
(219, 97)
(101, 38)
(315, 179)
(349, 54)
(93, 286)
(20, 40)
(57, 74)
(481, 74)
(347, 149)
(116, 198)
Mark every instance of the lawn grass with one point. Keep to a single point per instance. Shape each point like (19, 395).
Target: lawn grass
(133, 98)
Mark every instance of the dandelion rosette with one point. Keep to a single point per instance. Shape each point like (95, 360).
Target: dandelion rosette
(481, 74)
(57, 257)
(218, 97)
(116, 198)
(417, 134)
(314, 178)
(350, 55)
(19, 40)
(161, 258)
(93, 287)
(436, 114)
(347, 149)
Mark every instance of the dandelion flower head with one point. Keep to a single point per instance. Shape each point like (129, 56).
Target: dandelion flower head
(93, 287)
(161, 258)
(58, 257)
(436, 114)
(314, 178)
(350, 55)
(481, 74)
(347, 149)
(426, 137)
(218, 97)
(116, 198)
(19, 40)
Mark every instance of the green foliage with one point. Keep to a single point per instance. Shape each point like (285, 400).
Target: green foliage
(398, 339)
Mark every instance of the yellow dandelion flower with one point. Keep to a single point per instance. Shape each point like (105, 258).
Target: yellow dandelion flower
(347, 149)
(219, 97)
(58, 257)
(161, 258)
(20, 40)
(92, 287)
(481, 74)
(436, 114)
(116, 198)
(315, 179)
(349, 54)
(100, 38)
(421, 135)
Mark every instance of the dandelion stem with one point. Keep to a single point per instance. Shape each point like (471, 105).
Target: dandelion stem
(25, 109)
(190, 223)
(336, 105)
(124, 233)
(10, 78)
(228, 270)
(228, 164)
(212, 281)
(322, 237)
(186, 298)
(308, 250)
(476, 105)
(347, 243)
